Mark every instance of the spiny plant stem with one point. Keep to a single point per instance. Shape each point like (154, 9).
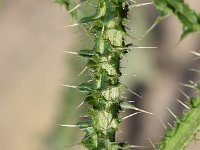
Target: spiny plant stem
(103, 92)
(186, 128)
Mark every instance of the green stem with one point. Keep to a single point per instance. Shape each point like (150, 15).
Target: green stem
(103, 92)
(187, 126)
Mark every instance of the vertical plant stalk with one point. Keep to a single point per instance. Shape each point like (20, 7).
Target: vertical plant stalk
(103, 62)
(103, 92)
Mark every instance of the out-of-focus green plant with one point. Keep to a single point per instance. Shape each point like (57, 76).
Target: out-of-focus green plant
(189, 19)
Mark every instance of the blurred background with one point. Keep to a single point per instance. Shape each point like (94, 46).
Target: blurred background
(33, 67)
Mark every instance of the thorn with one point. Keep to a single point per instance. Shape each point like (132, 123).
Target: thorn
(124, 74)
(150, 29)
(127, 20)
(123, 97)
(169, 124)
(172, 113)
(138, 47)
(143, 4)
(132, 91)
(161, 121)
(187, 85)
(131, 30)
(196, 58)
(89, 80)
(143, 111)
(146, 47)
(135, 108)
(82, 71)
(131, 115)
(71, 86)
(135, 146)
(103, 28)
(195, 70)
(80, 105)
(84, 116)
(77, 6)
(91, 28)
(74, 53)
(72, 25)
(184, 94)
(183, 104)
(153, 25)
(193, 83)
(66, 125)
(195, 53)
(151, 143)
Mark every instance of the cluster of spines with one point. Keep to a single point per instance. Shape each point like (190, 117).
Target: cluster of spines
(186, 127)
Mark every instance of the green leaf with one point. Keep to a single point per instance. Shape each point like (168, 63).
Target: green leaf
(189, 19)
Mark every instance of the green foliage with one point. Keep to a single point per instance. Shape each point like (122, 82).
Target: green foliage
(189, 19)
